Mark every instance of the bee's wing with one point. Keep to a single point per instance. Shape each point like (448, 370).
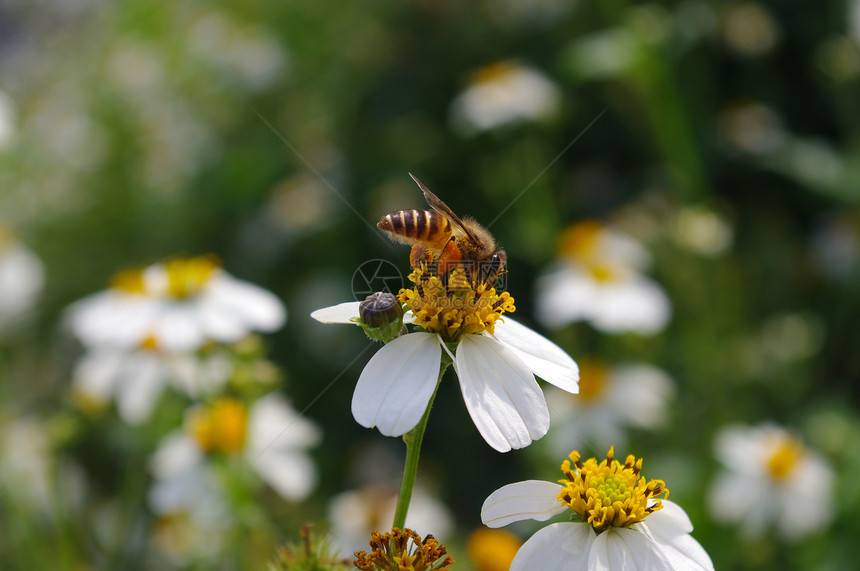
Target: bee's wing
(436, 204)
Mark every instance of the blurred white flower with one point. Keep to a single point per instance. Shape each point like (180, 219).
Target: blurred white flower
(30, 470)
(271, 438)
(771, 480)
(247, 55)
(610, 401)
(854, 20)
(136, 378)
(599, 279)
(8, 116)
(22, 277)
(503, 93)
(751, 126)
(619, 520)
(749, 29)
(179, 304)
(702, 231)
(836, 244)
(355, 514)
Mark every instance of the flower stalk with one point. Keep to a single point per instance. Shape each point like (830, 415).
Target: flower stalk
(413, 440)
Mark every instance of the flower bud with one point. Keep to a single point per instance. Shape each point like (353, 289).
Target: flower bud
(381, 316)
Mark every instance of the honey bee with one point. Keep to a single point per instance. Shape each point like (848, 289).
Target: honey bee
(441, 235)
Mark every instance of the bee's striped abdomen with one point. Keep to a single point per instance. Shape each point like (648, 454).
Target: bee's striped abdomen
(421, 226)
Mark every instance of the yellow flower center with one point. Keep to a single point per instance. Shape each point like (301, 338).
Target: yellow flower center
(150, 343)
(607, 493)
(785, 458)
(593, 376)
(493, 72)
(129, 281)
(187, 277)
(580, 240)
(7, 238)
(493, 549)
(601, 272)
(220, 426)
(456, 308)
(403, 551)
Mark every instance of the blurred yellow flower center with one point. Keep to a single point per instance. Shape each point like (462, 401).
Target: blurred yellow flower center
(602, 273)
(607, 493)
(403, 551)
(492, 72)
(580, 240)
(7, 238)
(493, 549)
(129, 281)
(149, 344)
(784, 459)
(188, 276)
(455, 309)
(592, 380)
(221, 426)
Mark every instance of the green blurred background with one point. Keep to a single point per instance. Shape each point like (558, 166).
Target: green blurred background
(275, 134)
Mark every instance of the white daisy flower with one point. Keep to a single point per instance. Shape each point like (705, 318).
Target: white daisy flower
(136, 378)
(22, 277)
(610, 400)
(181, 304)
(496, 361)
(771, 480)
(355, 514)
(271, 438)
(622, 524)
(503, 93)
(600, 280)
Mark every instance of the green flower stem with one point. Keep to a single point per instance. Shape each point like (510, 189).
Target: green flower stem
(413, 440)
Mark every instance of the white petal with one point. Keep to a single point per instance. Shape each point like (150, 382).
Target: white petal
(743, 499)
(564, 295)
(627, 548)
(341, 313)
(111, 318)
(292, 475)
(257, 308)
(561, 546)
(638, 305)
(396, 384)
(177, 453)
(639, 393)
(221, 323)
(178, 330)
(143, 377)
(546, 359)
(670, 528)
(96, 373)
(531, 499)
(274, 424)
(501, 394)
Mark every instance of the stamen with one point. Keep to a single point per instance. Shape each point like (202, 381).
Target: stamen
(454, 309)
(403, 550)
(607, 493)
